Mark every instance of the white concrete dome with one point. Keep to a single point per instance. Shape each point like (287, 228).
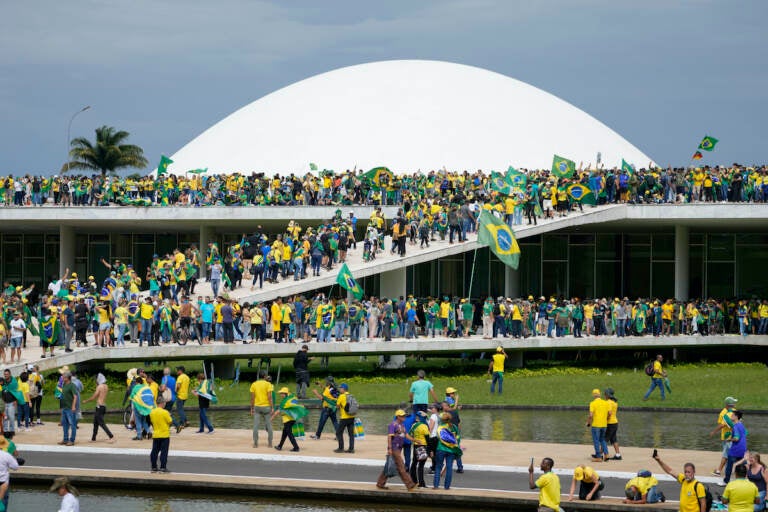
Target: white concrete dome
(406, 115)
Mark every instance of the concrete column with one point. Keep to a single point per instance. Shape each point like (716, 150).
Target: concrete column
(511, 282)
(206, 235)
(66, 249)
(682, 242)
(222, 368)
(392, 284)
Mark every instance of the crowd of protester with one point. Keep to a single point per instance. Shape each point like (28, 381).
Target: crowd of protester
(735, 183)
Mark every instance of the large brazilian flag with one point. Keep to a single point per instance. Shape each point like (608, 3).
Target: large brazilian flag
(142, 399)
(562, 167)
(347, 281)
(499, 238)
(380, 176)
(581, 194)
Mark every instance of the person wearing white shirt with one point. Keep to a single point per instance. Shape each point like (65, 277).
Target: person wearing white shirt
(7, 462)
(18, 326)
(68, 493)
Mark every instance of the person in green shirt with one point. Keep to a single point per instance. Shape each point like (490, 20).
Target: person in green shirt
(467, 314)
(68, 404)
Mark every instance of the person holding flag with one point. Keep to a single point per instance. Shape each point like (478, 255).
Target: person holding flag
(142, 401)
(205, 396)
(291, 410)
(500, 239)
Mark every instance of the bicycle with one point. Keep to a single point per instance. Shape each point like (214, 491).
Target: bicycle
(183, 334)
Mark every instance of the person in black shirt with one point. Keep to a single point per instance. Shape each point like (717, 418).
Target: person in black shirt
(301, 366)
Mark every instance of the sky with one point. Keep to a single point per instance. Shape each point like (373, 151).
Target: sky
(661, 73)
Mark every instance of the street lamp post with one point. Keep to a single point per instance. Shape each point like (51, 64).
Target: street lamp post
(69, 128)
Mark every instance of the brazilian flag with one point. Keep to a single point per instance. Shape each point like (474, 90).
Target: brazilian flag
(581, 194)
(142, 399)
(562, 167)
(500, 184)
(516, 178)
(626, 166)
(347, 281)
(49, 330)
(379, 176)
(198, 171)
(290, 407)
(499, 238)
(708, 143)
(162, 167)
(312, 166)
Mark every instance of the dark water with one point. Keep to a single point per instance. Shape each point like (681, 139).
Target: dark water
(38, 500)
(682, 430)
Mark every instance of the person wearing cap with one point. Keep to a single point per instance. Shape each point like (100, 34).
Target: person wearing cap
(613, 422)
(347, 421)
(496, 368)
(262, 406)
(328, 398)
(643, 489)
(161, 422)
(418, 434)
(598, 421)
(724, 427)
(68, 493)
(590, 484)
(291, 410)
(395, 439)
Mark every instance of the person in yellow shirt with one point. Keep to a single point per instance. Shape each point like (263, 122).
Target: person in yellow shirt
(657, 379)
(182, 394)
(496, 368)
(598, 421)
(740, 494)
(613, 422)
(693, 496)
(347, 421)
(161, 435)
(262, 406)
(419, 435)
(725, 431)
(667, 311)
(590, 484)
(548, 485)
(276, 316)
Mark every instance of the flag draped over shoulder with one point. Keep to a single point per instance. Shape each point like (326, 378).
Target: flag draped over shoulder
(13, 388)
(562, 167)
(379, 176)
(708, 143)
(626, 166)
(49, 329)
(206, 390)
(516, 178)
(162, 167)
(142, 399)
(290, 407)
(347, 281)
(499, 238)
(499, 183)
(581, 194)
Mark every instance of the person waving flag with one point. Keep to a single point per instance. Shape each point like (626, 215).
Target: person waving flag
(499, 238)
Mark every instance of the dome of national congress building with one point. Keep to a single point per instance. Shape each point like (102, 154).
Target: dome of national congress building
(407, 115)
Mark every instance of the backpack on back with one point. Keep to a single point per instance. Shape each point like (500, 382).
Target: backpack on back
(351, 406)
(707, 495)
(649, 371)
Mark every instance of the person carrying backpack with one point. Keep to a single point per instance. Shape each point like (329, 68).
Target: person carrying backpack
(694, 496)
(347, 406)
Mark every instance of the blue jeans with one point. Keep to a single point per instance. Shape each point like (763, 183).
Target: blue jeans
(142, 423)
(69, 424)
(23, 414)
(653, 496)
(598, 441)
(180, 411)
(354, 332)
(621, 328)
(743, 327)
(215, 283)
(441, 458)
(204, 421)
(729, 467)
(325, 415)
(323, 335)
(498, 377)
(146, 331)
(338, 330)
(655, 383)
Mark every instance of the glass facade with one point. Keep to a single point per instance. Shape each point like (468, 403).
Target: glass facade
(579, 264)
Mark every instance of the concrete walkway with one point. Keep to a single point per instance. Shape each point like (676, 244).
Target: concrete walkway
(228, 448)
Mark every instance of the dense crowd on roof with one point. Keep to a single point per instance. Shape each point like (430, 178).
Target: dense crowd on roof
(734, 183)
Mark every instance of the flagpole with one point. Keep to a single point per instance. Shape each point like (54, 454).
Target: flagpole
(472, 275)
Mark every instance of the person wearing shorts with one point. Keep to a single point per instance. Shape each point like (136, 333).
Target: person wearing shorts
(613, 422)
(18, 327)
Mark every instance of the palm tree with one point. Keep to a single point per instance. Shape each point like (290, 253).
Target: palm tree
(107, 154)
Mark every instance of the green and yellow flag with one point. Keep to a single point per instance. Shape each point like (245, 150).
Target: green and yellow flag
(347, 281)
(312, 166)
(708, 143)
(379, 176)
(198, 171)
(625, 166)
(162, 167)
(499, 183)
(562, 167)
(499, 238)
(581, 194)
(516, 178)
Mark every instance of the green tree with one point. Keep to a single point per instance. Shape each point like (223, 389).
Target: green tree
(107, 154)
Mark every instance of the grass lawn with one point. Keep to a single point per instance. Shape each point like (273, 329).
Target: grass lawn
(702, 385)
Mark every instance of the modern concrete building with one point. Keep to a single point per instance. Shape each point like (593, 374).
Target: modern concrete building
(408, 115)
(619, 250)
